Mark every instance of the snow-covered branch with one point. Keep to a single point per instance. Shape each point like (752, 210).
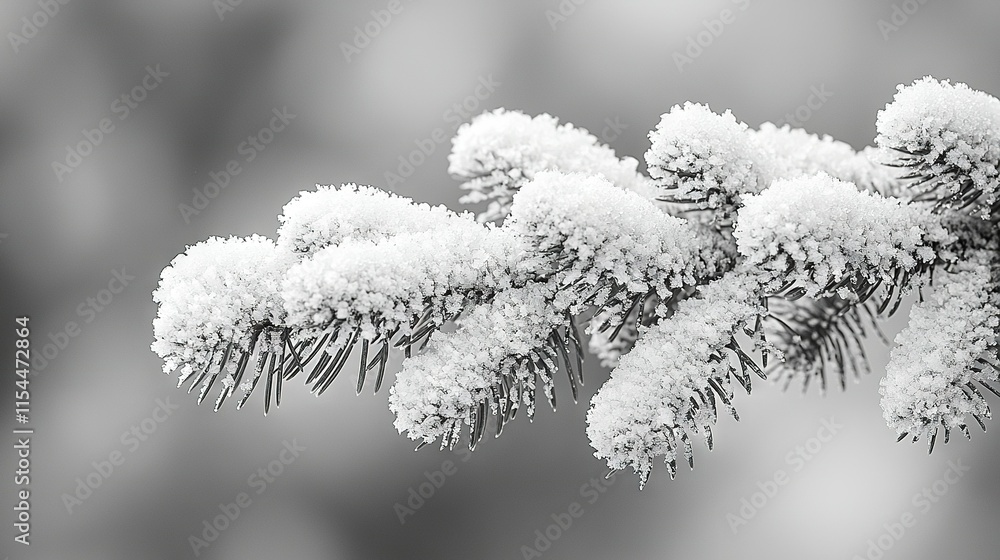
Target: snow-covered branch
(745, 252)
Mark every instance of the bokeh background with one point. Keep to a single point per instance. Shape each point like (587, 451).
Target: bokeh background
(228, 65)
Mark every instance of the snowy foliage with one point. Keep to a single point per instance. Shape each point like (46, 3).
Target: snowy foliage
(605, 237)
(710, 160)
(791, 245)
(949, 135)
(328, 215)
(821, 340)
(213, 294)
(379, 286)
(610, 344)
(604, 246)
(949, 345)
(796, 152)
(817, 231)
(438, 391)
(499, 151)
(665, 389)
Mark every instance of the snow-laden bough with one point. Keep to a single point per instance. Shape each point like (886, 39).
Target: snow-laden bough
(490, 364)
(795, 240)
(708, 161)
(601, 246)
(218, 301)
(330, 215)
(823, 235)
(797, 153)
(949, 346)
(500, 151)
(670, 386)
(948, 137)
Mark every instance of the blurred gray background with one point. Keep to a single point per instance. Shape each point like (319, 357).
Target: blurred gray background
(215, 71)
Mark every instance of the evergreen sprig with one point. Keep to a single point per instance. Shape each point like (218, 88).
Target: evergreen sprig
(747, 250)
